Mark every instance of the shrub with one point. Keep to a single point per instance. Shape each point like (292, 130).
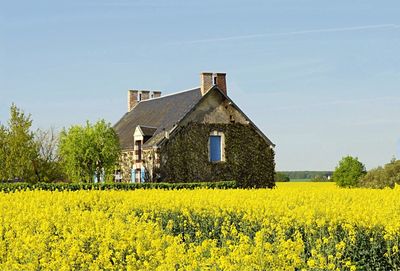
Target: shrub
(348, 172)
(392, 170)
(376, 178)
(382, 177)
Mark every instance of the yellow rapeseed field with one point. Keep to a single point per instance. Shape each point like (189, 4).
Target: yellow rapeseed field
(299, 226)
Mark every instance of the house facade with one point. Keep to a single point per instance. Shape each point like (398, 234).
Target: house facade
(194, 135)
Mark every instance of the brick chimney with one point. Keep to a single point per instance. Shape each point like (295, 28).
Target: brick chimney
(221, 82)
(156, 94)
(133, 99)
(136, 96)
(209, 79)
(206, 79)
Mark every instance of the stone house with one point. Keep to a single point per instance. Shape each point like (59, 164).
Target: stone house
(194, 135)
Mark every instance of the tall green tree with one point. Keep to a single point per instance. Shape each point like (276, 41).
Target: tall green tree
(3, 151)
(89, 151)
(18, 148)
(349, 172)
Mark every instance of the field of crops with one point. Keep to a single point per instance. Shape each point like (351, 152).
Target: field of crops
(296, 226)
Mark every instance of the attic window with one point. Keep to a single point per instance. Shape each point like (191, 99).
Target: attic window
(216, 147)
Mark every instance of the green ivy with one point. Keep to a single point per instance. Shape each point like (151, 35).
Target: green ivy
(249, 158)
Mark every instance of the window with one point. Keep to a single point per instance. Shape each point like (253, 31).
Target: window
(216, 147)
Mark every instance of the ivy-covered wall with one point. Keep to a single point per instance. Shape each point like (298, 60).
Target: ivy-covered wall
(249, 159)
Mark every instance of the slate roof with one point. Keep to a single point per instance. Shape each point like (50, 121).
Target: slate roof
(156, 116)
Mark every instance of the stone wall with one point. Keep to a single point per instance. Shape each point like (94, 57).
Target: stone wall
(126, 163)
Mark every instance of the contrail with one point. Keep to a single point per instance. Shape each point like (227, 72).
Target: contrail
(311, 31)
(340, 102)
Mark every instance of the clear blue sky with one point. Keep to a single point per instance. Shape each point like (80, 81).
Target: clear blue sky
(320, 78)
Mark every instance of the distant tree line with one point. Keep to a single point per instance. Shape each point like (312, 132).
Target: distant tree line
(306, 174)
(281, 177)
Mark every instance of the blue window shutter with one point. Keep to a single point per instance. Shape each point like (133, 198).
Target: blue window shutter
(133, 175)
(142, 175)
(215, 148)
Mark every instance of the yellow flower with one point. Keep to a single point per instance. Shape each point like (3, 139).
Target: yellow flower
(293, 227)
(311, 263)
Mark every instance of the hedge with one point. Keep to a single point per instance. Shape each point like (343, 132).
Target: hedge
(12, 187)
